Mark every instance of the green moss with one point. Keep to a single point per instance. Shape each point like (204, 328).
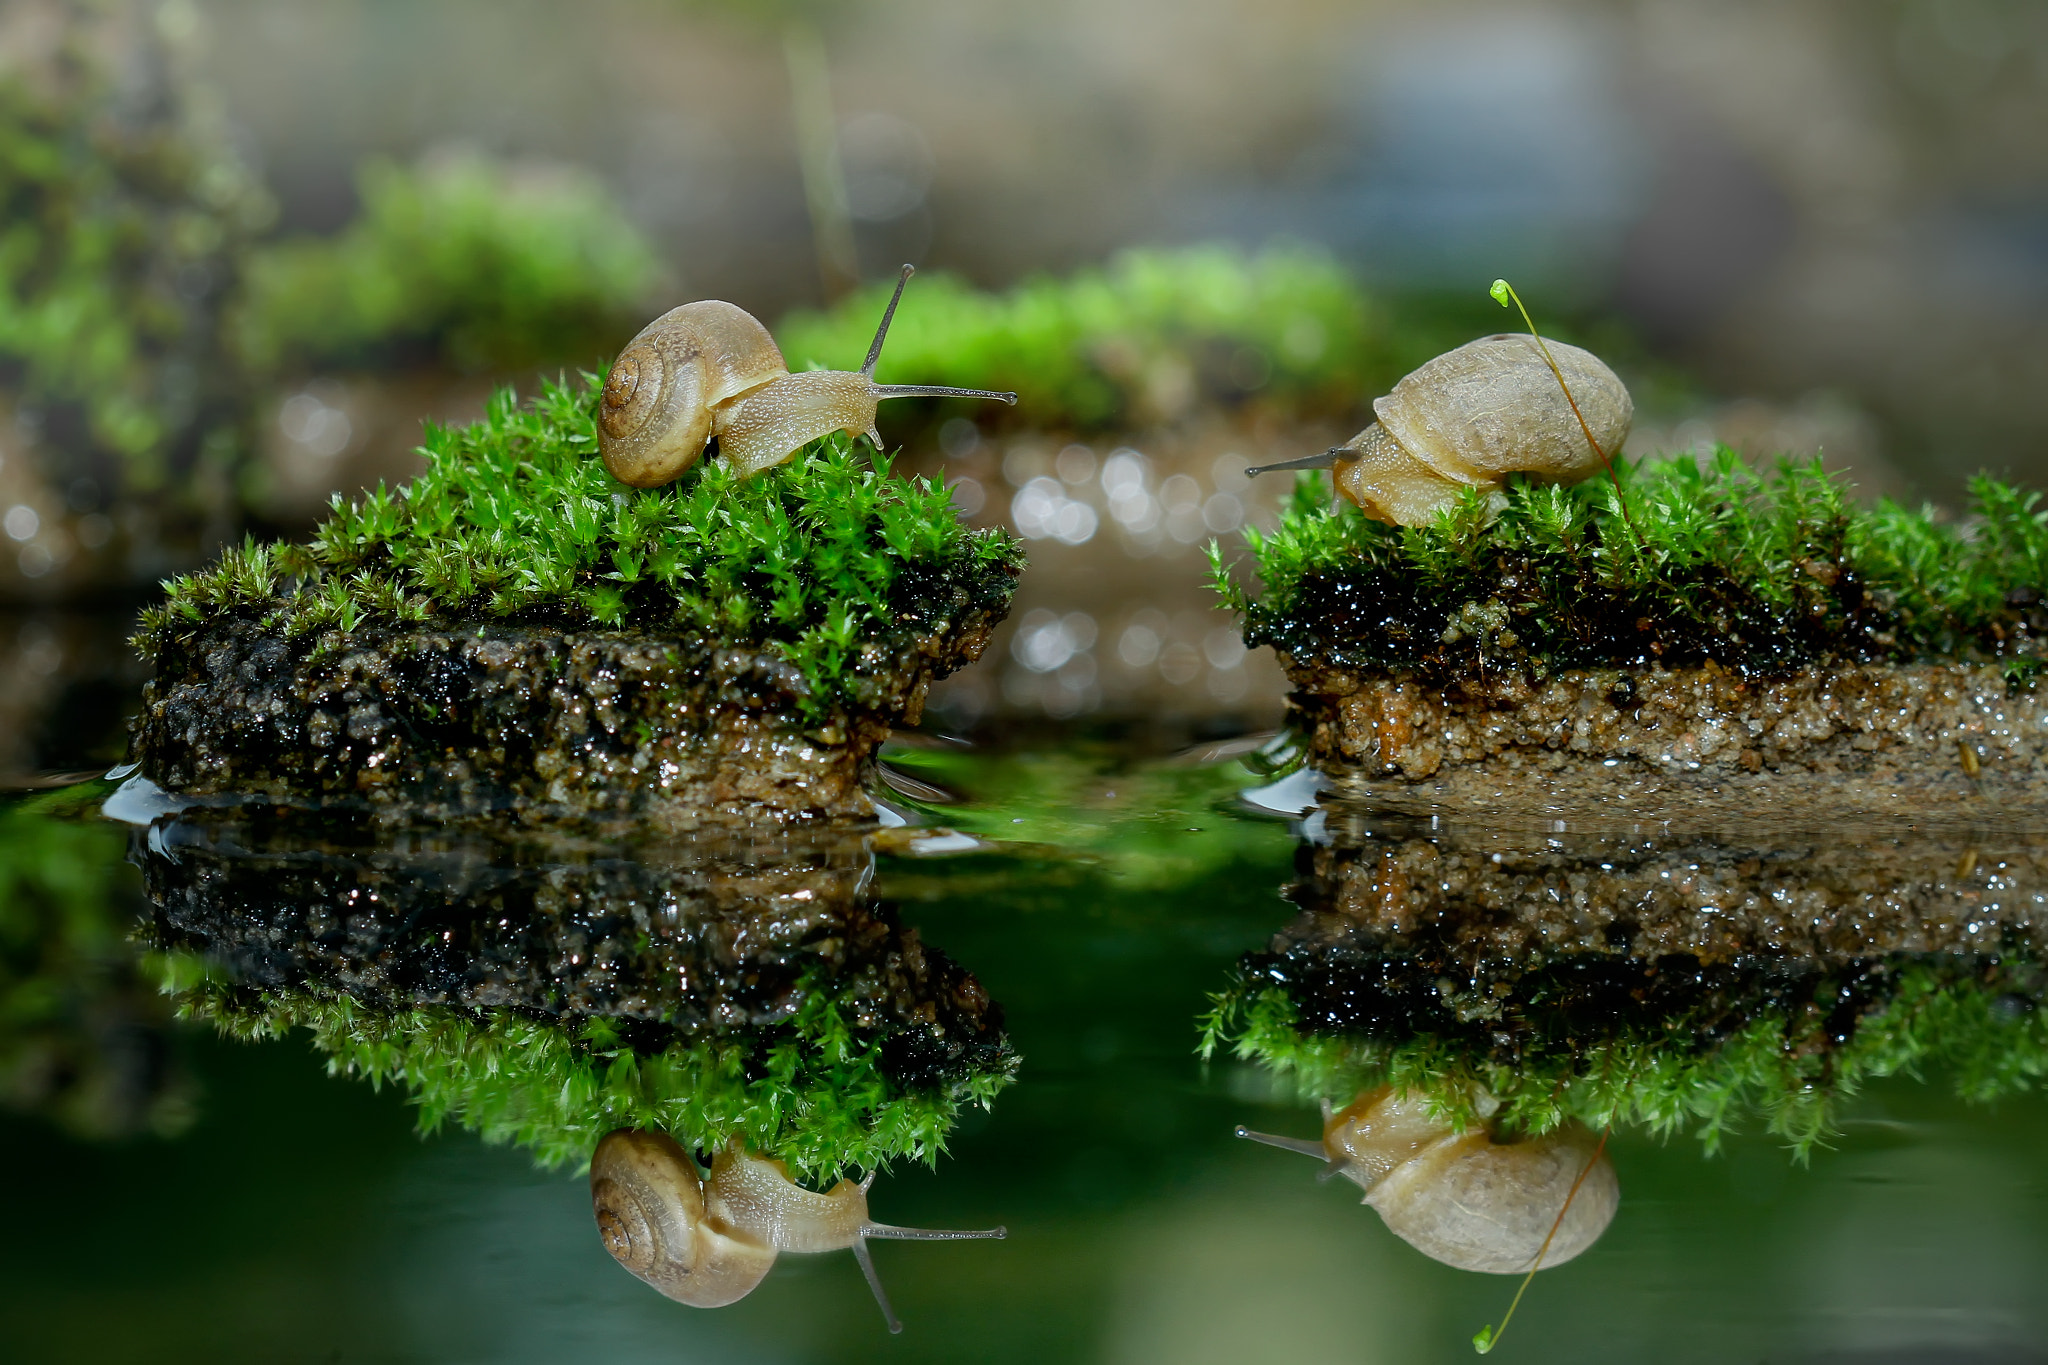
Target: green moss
(460, 261)
(81, 1032)
(143, 324)
(1757, 572)
(118, 241)
(515, 519)
(1111, 343)
(1790, 1067)
(811, 1090)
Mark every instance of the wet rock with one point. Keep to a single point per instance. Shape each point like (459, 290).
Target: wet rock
(436, 723)
(1523, 943)
(1955, 738)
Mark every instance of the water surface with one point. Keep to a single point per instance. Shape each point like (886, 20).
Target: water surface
(180, 1196)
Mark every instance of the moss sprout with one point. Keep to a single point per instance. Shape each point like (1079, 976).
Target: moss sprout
(515, 519)
(1760, 572)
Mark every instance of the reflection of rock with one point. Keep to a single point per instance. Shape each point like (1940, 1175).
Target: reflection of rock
(548, 991)
(1667, 979)
(674, 940)
(1508, 938)
(431, 724)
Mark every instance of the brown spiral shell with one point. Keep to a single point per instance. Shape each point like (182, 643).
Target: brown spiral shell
(649, 1204)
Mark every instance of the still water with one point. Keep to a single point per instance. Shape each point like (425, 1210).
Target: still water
(179, 1195)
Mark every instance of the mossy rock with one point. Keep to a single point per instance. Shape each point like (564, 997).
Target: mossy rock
(545, 989)
(1683, 629)
(516, 631)
(1679, 985)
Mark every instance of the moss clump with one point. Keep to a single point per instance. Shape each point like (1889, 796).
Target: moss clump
(1143, 336)
(812, 1090)
(515, 520)
(1759, 573)
(461, 261)
(118, 250)
(145, 324)
(1790, 1063)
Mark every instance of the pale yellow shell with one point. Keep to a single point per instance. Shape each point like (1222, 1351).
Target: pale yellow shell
(650, 1209)
(709, 369)
(1475, 415)
(1467, 1200)
(663, 394)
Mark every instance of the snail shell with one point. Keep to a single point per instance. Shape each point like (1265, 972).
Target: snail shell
(1463, 1198)
(650, 1212)
(1473, 416)
(708, 1242)
(710, 369)
(664, 393)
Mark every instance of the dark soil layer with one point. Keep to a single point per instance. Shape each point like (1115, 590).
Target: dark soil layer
(438, 723)
(720, 936)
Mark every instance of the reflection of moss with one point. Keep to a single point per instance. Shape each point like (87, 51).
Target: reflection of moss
(1759, 574)
(829, 560)
(1146, 824)
(811, 1091)
(1649, 978)
(544, 990)
(82, 1035)
(460, 261)
(1154, 329)
(1980, 1021)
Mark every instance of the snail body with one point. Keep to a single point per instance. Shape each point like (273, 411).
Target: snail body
(710, 369)
(1463, 1198)
(1473, 416)
(707, 1241)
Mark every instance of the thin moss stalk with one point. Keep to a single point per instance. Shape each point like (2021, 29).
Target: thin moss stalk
(516, 520)
(1759, 572)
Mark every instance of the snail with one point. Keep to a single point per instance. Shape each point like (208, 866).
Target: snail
(1471, 417)
(1462, 1198)
(708, 1241)
(710, 369)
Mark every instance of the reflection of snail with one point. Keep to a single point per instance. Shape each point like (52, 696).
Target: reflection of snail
(1462, 1198)
(1473, 416)
(709, 369)
(708, 1242)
